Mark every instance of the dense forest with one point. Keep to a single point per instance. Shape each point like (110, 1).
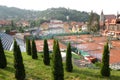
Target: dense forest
(51, 13)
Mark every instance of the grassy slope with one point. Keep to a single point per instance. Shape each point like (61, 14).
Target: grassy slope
(36, 70)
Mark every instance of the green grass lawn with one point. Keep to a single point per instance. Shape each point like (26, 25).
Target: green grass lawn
(36, 70)
(76, 56)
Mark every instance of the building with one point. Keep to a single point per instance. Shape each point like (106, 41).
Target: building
(84, 27)
(102, 21)
(7, 41)
(5, 23)
(110, 25)
(22, 24)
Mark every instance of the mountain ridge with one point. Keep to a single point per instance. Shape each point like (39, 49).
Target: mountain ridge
(50, 13)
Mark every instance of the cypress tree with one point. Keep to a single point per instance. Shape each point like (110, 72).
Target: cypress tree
(105, 70)
(57, 66)
(34, 50)
(3, 61)
(69, 66)
(46, 58)
(18, 63)
(28, 47)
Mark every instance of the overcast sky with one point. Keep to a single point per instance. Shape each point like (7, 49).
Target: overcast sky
(108, 6)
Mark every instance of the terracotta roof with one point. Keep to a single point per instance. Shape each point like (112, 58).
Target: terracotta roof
(40, 43)
(5, 22)
(95, 48)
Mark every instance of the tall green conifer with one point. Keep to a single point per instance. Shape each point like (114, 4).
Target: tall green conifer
(46, 58)
(3, 61)
(105, 70)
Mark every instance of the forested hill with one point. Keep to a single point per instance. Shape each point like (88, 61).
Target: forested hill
(61, 13)
(16, 13)
(52, 13)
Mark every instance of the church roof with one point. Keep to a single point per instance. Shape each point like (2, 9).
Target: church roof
(109, 17)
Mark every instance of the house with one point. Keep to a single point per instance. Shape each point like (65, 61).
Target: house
(56, 30)
(5, 23)
(55, 23)
(84, 27)
(44, 26)
(76, 26)
(22, 23)
(111, 25)
(54, 27)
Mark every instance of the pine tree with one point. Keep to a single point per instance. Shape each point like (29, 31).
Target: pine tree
(18, 63)
(46, 58)
(28, 47)
(34, 50)
(105, 70)
(57, 66)
(3, 61)
(69, 66)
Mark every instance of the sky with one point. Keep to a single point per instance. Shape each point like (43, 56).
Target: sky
(108, 6)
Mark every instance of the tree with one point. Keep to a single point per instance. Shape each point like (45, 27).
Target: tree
(28, 47)
(69, 66)
(32, 23)
(34, 50)
(93, 23)
(3, 61)
(105, 70)
(18, 63)
(12, 25)
(46, 58)
(57, 66)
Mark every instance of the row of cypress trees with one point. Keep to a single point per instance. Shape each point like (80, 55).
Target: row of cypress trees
(57, 66)
(18, 61)
(31, 49)
(56, 62)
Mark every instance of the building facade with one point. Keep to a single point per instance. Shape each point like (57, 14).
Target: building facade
(110, 25)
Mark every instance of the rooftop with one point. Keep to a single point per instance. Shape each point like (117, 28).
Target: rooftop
(40, 43)
(94, 47)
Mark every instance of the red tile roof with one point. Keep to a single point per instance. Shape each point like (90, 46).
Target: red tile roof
(40, 43)
(95, 48)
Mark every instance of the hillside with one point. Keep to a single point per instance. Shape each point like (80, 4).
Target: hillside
(36, 70)
(52, 13)
(16, 13)
(61, 13)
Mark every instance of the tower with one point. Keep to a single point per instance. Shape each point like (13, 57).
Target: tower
(102, 20)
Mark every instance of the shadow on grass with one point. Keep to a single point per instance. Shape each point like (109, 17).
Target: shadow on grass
(32, 77)
(2, 75)
(114, 77)
(10, 69)
(9, 56)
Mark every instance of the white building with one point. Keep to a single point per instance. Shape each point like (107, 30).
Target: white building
(84, 27)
